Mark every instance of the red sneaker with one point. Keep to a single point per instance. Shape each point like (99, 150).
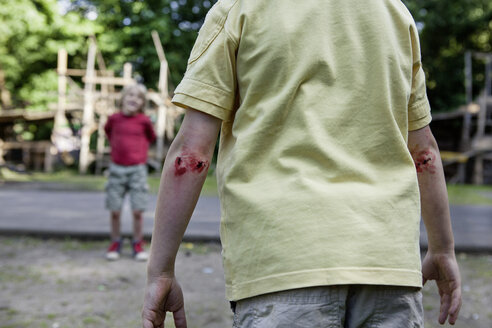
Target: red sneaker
(113, 252)
(139, 252)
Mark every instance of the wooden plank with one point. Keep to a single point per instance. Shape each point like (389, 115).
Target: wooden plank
(108, 80)
(37, 145)
(11, 115)
(158, 46)
(83, 72)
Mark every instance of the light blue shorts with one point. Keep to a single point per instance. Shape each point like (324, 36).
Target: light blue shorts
(127, 179)
(347, 306)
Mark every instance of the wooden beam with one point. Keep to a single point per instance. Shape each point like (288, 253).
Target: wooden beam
(158, 46)
(104, 80)
(82, 72)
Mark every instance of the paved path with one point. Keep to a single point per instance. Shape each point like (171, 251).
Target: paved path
(82, 214)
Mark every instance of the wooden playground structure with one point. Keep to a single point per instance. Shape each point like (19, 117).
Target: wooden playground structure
(475, 146)
(468, 160)
(89, 107)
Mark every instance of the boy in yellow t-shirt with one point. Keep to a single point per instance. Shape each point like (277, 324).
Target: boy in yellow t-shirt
(326, 163)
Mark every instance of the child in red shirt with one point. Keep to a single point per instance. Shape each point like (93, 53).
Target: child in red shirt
(130, 133)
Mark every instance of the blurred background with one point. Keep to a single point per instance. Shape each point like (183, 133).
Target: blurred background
(63, 64)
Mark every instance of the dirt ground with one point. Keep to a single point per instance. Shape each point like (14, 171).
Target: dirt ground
(69, 284)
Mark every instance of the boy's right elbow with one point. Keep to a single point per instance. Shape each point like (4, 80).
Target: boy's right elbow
(424, 150)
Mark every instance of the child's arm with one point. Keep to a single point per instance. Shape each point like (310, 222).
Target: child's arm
(150, 132)
(107, 127)
(183, 175)
(440, 262)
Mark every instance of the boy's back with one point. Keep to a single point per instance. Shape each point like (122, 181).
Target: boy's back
(322, 106)
(317, 98)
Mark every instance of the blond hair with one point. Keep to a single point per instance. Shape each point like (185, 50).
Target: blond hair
(140, 88)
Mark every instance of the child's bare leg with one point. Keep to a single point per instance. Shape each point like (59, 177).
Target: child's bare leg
(115, 225)
(137, 225)
(138, 244)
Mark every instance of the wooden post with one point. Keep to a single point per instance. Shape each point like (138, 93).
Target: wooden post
(158, 46)
(48, 158)
(2, 160)
(465, 135)
(482, 121)
(88, 116)
(162, 112)
(465, 131)
(101, 138)
(127, 72)
(61, 130)
(26, 156)
(164, 93)
(62, 86)
(5, 100)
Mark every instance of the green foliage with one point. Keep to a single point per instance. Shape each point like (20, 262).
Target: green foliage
(127, 32)
(31, 32)
(40, 90)
(448, 30)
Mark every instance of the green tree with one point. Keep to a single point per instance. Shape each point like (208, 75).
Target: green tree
(127, 32)
(447, 30)
(31, 32)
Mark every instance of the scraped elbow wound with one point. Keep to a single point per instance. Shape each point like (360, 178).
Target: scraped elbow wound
(189, 163)
(425, 161)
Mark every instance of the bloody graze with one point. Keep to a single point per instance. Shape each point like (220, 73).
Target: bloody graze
(186, 163)
(424, 161)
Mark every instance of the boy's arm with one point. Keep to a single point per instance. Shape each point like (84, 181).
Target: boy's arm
(183, 175)
(107, 127)
(150, 132)
(440, 262)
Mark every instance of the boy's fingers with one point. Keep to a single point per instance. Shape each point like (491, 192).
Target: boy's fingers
(180, 318)
(455, 307)
(444, 310)
(147, 324)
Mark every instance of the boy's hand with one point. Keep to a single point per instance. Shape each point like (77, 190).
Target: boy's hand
(443, 268)
(163, 295)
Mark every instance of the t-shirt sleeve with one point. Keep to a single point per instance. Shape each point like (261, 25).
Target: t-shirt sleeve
(209, 84)
(419, 111)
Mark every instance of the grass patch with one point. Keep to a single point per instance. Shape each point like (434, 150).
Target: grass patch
(70, 244)
(199, 248)
(71, 180)
(19, 274)
(470, 195)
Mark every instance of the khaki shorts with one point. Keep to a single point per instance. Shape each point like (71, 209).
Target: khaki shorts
(127, 179)
(347, 306)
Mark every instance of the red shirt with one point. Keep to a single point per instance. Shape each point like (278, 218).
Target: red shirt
(129, 138)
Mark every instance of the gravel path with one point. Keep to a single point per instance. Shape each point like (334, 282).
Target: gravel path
(69, 284)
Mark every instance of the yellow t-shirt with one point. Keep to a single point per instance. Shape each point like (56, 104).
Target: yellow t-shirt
(316, 183)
